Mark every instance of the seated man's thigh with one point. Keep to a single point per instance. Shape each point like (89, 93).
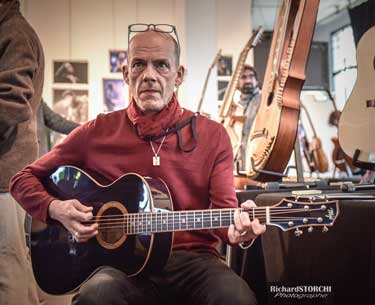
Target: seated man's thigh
(112, 286)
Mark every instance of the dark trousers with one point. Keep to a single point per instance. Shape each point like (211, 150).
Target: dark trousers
(189, 278)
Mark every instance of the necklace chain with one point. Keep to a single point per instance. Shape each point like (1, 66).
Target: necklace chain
(156, 153)
(156, 158)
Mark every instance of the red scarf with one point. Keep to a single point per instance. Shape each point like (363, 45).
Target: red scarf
(155, 124)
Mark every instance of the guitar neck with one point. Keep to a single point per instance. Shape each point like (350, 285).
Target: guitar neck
(156, 222)
(286, 216)
(229, 93)
(217, 56)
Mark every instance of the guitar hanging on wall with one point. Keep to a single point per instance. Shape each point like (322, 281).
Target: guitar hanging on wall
(342, 161)
(357, 121)
(136, 224)
(214, 62)
(316, 152)
(274, 131)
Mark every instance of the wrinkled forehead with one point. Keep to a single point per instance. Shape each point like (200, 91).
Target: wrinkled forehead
(152, 41)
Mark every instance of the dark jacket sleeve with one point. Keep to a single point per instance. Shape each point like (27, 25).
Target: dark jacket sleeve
(26, 186)
(18, 64)
(56, 122)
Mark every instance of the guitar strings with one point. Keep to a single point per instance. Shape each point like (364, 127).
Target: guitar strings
(204, 213)
(139, 226)
(151, 216)
(201, 211)
(131, 231)
(205, 223)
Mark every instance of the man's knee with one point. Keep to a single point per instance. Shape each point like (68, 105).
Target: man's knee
(238, 293)
(102, 288)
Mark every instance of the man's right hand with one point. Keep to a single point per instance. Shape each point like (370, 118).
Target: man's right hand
(71, 213)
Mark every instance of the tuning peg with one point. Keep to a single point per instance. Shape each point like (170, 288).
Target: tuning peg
(298, 232)
(325, 229)
(310, 229)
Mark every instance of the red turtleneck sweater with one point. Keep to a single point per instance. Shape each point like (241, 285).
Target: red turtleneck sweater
(109, 146)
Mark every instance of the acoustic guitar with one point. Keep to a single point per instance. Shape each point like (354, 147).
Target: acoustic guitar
(317, 154)
(274, 131)
(216, 58)
(357, 121)
(136, 224)
(342, 161)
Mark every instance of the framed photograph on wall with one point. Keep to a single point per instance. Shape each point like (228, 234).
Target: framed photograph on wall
(221, 87)
(115, 94)
(72, 104)
(70, 72)
(224, 65)
(117, 58)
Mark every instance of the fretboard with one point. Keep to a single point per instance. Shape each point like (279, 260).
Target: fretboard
(138, 223)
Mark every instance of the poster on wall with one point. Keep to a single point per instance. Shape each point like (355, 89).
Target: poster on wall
(224, 65)
(117, 58)
(115, 94)
(70, 72)
(72, 104)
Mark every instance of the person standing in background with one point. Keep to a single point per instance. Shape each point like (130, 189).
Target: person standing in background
(21, 84)
(250, 101)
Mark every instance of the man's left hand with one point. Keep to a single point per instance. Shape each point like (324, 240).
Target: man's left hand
(244, 229)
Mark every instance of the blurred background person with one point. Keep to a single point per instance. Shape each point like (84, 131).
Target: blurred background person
(249, 100)
(21, 86)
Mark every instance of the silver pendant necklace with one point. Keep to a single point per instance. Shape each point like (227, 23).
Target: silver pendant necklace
(156, 157)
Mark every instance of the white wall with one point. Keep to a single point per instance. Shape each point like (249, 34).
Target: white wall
(87, 30)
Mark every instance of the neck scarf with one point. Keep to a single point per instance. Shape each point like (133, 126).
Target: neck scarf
(154, 124)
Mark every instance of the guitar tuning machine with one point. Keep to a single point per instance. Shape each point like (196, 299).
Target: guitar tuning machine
(310, 229)
(325, 229)
(298, 232)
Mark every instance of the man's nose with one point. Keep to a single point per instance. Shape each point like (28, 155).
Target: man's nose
(149, 73)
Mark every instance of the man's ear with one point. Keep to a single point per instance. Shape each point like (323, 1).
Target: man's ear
(125, 73)
(180, 75)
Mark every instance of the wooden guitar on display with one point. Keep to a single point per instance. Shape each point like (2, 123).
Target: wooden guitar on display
(317, 154)
(231, 113)
(274, 131)
(342, 161)
(136, 224)
(357, 121)
(200, 103)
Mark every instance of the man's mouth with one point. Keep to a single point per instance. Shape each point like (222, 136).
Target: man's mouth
(149, 91)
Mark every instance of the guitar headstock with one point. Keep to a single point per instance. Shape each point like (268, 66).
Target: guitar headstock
(257, 36)
(291, 214)
(217, 56)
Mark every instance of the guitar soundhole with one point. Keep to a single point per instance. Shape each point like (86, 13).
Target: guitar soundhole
(111, 228)
(373, 62)
(111, 225)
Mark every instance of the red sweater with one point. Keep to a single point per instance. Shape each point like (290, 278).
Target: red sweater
(109, 147)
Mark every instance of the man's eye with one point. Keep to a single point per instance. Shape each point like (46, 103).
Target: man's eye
(137, 65)
(162, 66)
